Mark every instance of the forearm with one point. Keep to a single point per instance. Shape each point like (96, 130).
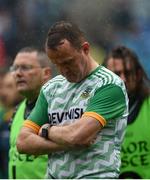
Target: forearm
(30, 143)
(80, 133)
(58, 134)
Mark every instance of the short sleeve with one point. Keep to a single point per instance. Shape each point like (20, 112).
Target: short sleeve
(39, 114)
(108, 102)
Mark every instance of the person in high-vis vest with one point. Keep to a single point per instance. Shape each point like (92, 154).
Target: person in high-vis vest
(9, 98)
(136, 145)
(31, 69)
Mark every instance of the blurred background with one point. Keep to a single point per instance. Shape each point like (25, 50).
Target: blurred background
(106, 23)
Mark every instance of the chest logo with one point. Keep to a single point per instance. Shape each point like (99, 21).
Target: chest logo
(86, 93)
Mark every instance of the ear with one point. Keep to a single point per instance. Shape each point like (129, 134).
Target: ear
(86, 47)
(47, 74)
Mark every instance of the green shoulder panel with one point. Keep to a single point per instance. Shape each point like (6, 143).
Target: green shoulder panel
(108, 102)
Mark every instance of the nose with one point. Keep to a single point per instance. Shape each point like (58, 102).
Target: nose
(18, 72)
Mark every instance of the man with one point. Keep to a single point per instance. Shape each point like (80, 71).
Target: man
(31, 69)
(136, 146)
(9, 98)
(80, 114)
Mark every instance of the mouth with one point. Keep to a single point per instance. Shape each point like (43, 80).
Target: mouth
(20, 82)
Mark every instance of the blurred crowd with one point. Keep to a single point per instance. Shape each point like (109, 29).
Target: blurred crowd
(107, 22)
(25, 23)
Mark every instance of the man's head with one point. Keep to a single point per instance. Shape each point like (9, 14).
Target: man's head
(68, 50)
(124, 62)
(9, 94)
(31, 69)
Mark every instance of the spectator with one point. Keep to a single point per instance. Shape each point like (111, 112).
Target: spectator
(9, 99)
(136, 146)
(31, 69)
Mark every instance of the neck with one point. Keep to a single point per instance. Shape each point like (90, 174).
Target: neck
(31, 96)
(93, 65)
(30, 102)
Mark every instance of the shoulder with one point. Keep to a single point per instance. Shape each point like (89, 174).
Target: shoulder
(106, 77)
(53, 82)
(22, 104)
(110, 81)
(17, 108)
(147, 100)
(49, 88)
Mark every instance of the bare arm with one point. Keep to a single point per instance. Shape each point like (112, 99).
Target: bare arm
(30, 143)
(80, 133)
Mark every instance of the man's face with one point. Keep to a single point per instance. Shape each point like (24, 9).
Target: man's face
(126, 74)
(9, 95)
(27, 72)
(70, 62)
